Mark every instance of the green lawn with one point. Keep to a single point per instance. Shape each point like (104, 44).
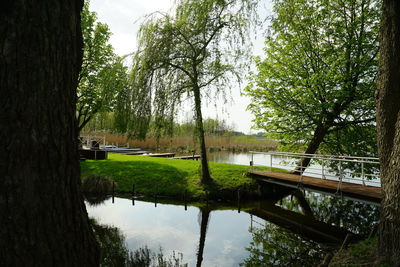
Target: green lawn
(168, 177)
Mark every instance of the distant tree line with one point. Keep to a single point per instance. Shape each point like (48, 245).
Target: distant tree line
(105, 121)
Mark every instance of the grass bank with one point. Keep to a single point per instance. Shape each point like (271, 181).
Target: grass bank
(171, 177)
(364, 253)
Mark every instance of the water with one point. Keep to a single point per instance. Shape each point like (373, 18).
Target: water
(292, 228)
(174, 229)
(314, 170)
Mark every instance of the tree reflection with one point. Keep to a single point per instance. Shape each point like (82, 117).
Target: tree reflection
(355, 216)
(205, 215)
(115, 253)
(298, 219)
(95, 199)
(275, 246)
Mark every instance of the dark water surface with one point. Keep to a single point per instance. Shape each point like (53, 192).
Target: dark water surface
(292, 228)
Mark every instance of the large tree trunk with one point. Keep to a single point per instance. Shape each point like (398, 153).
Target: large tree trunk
(42, 214)
(318, 137)
(388, 125)
(205, 172)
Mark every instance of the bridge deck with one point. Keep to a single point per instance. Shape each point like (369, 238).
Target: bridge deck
(194, 157)
(161, 155)
(370, 192)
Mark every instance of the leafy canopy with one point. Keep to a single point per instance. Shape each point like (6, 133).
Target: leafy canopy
(202, 46)
(103, 75)
(318, 75)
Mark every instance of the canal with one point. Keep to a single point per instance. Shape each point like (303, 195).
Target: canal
(291, 227)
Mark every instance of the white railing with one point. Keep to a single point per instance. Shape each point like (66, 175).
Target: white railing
(86, 140)
(360, 170)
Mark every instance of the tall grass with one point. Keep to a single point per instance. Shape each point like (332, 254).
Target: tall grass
(185, 143)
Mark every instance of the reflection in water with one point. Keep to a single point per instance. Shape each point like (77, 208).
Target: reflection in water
(275, 246)
(95, 199)
(242, 158)
(357, 217)
(112, 247)
(115, 253)
(297, 228)
(205, 214)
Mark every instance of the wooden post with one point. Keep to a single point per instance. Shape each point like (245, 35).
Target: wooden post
(133, 194)
(238, 199)
(270, 162)
(155, 198)
(184, 196)
(113, 191)
(362, 173)
(251, 223)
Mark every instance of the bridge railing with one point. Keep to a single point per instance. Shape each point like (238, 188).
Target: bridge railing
(360, 170)
(87, 140)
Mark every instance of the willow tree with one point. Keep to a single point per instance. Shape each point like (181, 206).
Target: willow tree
(388, 124)
(193, 52)
(316, 84)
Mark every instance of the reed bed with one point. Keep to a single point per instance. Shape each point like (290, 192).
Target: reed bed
(188, 143)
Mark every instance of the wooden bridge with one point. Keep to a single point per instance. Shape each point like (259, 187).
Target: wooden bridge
(353, 176)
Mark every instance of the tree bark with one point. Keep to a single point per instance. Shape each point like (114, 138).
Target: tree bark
(318, 137)
(43, 217)
(388, 126)
(205, 172)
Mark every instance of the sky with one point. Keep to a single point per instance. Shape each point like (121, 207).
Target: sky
(124, 17)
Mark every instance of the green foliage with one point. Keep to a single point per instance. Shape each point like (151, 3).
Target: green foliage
(103, 77)
(318, 75)
(197, 48)
(212, 127)
(364, 253)
(194, 52)
(97, 185)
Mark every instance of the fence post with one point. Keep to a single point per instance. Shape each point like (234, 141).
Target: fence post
(301, 169)
(185, 198)
(238, 199)
(323, 169)
(270, 162)
(113, 191)
(340, 174)
(362, 173)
